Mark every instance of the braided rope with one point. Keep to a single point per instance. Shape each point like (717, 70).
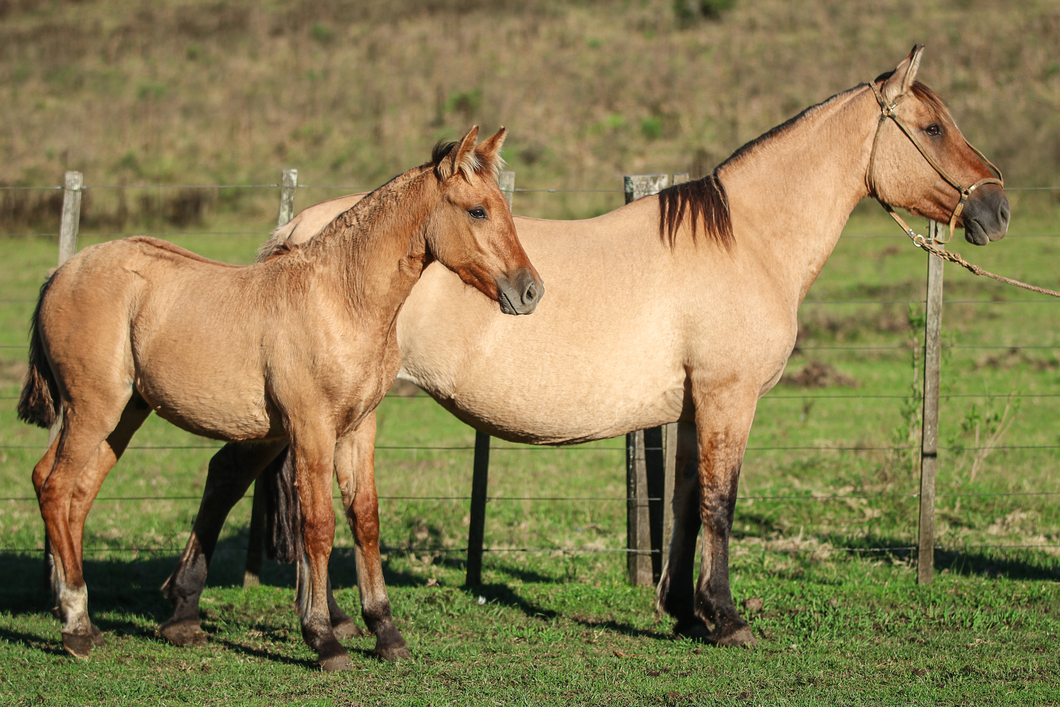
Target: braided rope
(956, 258)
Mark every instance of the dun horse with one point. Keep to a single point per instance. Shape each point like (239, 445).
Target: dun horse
(712, 274)
(294, 351)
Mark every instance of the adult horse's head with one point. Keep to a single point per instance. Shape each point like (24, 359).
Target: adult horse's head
(473, 234)
(921, 162)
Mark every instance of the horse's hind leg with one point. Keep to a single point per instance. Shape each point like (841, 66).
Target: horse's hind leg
(82, 448)
(676, 591)
(231, 471)
(95, 472)
(355, 467)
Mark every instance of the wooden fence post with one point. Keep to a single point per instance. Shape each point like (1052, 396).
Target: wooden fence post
(69, 225)
(645, 457)
(929, 443)
(476, 532)
(256, 534)
(73, 183)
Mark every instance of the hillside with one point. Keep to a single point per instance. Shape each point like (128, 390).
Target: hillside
(231, 91)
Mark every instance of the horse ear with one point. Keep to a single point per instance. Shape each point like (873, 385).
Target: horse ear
(489, 152)
(461, 158)
(899, 82)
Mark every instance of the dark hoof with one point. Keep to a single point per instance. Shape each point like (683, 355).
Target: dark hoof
(393, 654)
(336, 662)
(742, 636)
(695, 630)
(78, 645)
(183, 633)
(346, 629)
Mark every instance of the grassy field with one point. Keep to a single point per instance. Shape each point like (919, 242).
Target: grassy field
(205, 92)
(825, 517)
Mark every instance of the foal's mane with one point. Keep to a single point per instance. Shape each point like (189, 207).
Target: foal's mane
(276, 247)
(705, 200)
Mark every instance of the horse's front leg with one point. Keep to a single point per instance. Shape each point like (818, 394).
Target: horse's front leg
(705, 495)
(314, 458)
(723, 424)
(355, 468)
(231, 471)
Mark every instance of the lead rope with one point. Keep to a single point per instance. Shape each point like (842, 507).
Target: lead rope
(921, 242)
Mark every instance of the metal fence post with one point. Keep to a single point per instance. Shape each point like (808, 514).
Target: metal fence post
(481, 467)
(645, 456)
(256, 534)
(929, 444)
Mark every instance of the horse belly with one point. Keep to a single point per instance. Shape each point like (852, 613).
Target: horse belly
(221, 397)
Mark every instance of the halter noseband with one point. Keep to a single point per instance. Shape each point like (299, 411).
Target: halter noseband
(887, 111)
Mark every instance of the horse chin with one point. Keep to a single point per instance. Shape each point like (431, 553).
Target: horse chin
(975, 234)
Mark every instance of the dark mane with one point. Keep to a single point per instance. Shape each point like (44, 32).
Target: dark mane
(441, 149)
(705, 201)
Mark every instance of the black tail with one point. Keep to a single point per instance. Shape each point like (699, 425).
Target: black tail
(283, 515)
(39, 402)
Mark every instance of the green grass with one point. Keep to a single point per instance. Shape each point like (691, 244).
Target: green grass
(827, 482)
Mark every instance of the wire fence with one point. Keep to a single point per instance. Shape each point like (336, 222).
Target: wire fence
(778, 395)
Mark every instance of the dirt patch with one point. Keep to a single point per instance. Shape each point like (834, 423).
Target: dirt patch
(818, 375)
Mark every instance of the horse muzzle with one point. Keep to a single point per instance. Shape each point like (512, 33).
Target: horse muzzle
(520, 292)
(986, 217)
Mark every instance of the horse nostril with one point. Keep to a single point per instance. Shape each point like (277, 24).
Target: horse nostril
(531, 293)
(1003, 212)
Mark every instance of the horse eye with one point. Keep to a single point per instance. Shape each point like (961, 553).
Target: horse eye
(933, 130)
(477, 212)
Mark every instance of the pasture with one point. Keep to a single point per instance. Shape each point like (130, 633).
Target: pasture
(823, 563)
(823, 535)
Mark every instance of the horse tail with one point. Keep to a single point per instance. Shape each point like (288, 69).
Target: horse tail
(283, 514)
(39, 402)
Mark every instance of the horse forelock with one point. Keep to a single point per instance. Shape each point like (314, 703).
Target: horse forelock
(474, 162)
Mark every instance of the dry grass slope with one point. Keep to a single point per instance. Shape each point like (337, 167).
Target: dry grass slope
(205, 92)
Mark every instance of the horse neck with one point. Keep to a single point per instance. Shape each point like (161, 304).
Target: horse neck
(375, 252)
(791, 195)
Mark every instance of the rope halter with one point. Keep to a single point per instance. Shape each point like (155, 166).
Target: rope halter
(887, 111)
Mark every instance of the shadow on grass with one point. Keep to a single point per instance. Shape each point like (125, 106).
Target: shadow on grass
(997, 562)
(504, 595)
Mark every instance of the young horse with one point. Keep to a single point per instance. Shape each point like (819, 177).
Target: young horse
(297, 351)
(701, 328)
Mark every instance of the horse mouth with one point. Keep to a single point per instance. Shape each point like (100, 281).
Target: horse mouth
(975, 234)
(520, 294)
